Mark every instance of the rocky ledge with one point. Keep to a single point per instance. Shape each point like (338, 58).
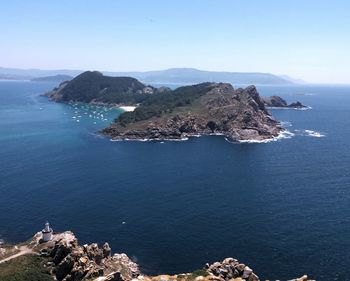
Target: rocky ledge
(276, 101)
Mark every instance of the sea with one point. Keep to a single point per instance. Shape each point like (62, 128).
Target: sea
(281, 207)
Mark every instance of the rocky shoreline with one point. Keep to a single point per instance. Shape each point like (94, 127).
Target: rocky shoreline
(66, 260)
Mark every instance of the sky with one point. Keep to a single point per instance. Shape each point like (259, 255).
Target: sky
(305, 39)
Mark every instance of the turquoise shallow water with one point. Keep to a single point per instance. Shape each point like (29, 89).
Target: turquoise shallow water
(281, 207)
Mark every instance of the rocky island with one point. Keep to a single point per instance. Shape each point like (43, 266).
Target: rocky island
(203, 109)
(62, 258)
(278, 102)
(164, 114)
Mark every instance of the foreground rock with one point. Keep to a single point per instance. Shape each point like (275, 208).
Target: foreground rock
(70, 262)
(276, 101)
(66, 260)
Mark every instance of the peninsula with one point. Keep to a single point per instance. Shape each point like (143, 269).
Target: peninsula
(164, 114)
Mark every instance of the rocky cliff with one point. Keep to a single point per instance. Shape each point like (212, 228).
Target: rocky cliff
(69, 261)
(65, 260)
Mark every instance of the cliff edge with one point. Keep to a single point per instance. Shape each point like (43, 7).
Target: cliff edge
(63, 259)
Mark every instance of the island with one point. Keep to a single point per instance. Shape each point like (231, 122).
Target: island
(58, 256)
(164, 114)
(278, 102)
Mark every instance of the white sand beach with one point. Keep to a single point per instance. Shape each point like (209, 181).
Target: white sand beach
(127, 108)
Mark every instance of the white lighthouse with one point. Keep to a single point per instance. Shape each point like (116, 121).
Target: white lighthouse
(47, 232)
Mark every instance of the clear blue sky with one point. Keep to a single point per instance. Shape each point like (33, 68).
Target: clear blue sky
(307, 39)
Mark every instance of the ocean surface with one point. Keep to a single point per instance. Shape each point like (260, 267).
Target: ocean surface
(283, 207)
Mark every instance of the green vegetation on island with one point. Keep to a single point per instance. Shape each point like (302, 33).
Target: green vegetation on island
(159, 104)
(93, 86)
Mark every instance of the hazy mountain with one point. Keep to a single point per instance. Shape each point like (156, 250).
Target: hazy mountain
(193, 76)
(169, 76)
(28, 74)
(293, 80)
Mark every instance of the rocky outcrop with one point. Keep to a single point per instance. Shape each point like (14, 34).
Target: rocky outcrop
(236, 114)
(70, 262)
(278, 102)
(231, 268)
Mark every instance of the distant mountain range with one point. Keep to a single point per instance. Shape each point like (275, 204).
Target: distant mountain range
(181, 76)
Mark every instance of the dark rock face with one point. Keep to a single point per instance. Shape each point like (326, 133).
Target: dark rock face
(276, 101)
(60, 251)
(64, 267)
(236, 114)
(94, 253)
(229, 269)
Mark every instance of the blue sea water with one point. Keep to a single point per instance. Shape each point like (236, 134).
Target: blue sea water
(281, 207)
